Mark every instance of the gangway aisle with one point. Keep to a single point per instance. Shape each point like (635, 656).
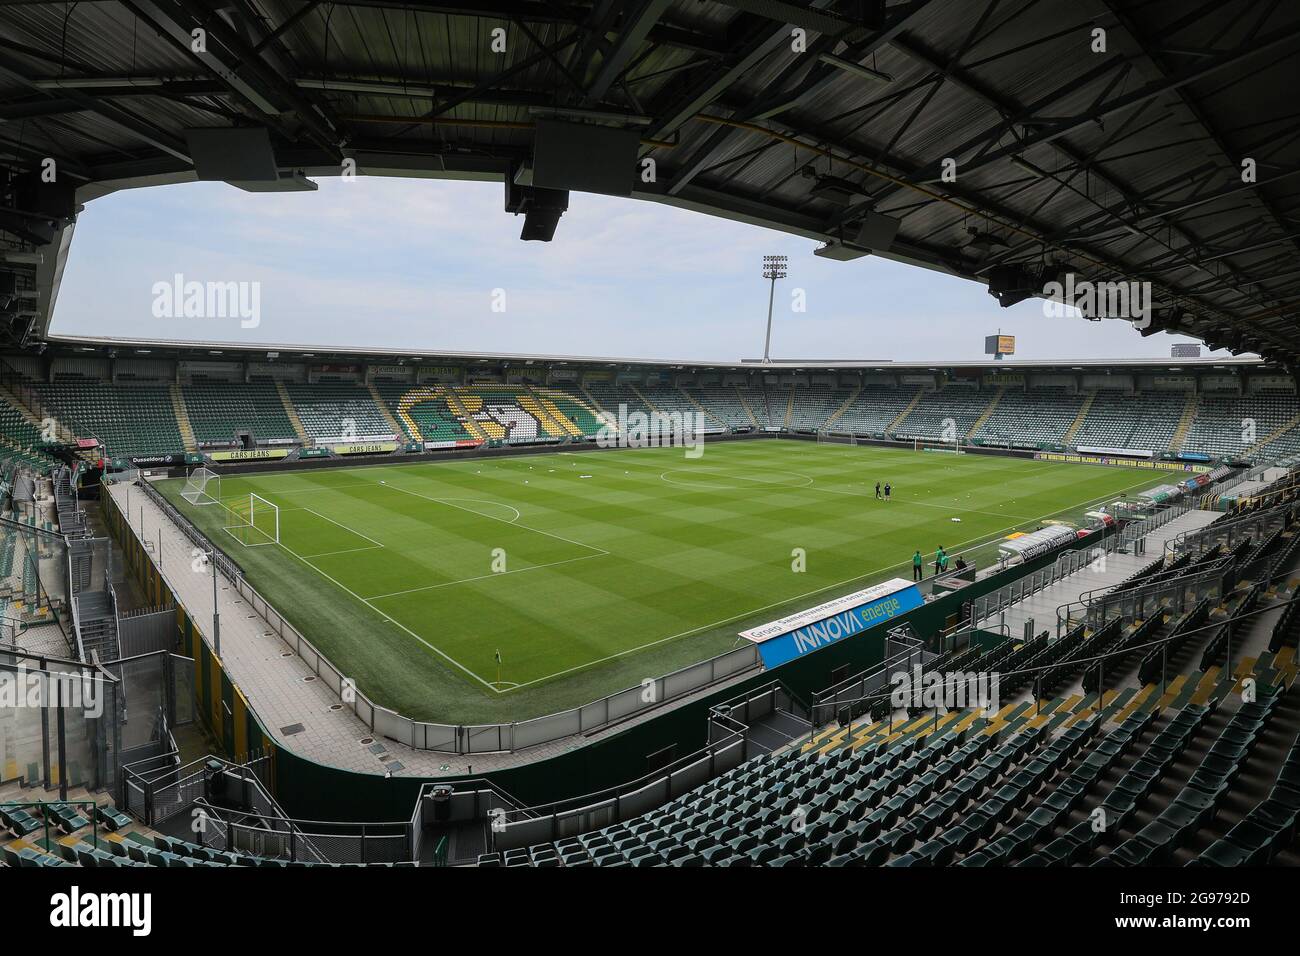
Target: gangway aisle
(1117, 566)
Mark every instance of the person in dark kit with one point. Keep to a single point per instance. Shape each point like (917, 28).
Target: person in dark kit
(877, 491)
(887, 491)
(960, 564)
(918, 566)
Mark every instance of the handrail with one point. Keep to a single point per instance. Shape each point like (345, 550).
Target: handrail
(1120, 652)
(1180, 542)
(1069, 562)
(583, 813)
(460, 738)
(1105, 596)
(902, 636)
(79, 647)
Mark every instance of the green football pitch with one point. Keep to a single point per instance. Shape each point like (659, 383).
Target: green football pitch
(588, 572)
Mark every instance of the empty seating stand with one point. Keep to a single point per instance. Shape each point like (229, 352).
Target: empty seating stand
(137, 418)
(221, 411)
(338, 410)
(944, 414)
(1029, 419)
(130, 419)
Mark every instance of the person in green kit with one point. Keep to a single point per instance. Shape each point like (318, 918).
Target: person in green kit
(918, 568)
(940, 558)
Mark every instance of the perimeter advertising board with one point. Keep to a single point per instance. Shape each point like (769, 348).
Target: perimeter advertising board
(365, 448)
(249, 454)
(782, 641)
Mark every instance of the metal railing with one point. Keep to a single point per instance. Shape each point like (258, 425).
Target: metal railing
(1074, 560)
(1141, 599)
(464, 738)
(155, 788)
(903, 650)
(302, 841)
(995, 602)
(866, 704)
(1229, 531)
(728, 746)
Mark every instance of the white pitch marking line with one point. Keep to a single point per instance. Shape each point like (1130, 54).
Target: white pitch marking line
(451, 660)
(246, 544)
(490, 685)
(377, 544)
(827, 491)
(447, 501)
(481, 577)
(326, 554)
(663, 476)
(981, 539)
(486, 501)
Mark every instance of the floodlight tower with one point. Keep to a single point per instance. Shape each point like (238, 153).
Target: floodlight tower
(774, 267)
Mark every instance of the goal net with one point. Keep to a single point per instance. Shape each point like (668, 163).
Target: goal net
(946, 447)
(202, 487)
(253, 521)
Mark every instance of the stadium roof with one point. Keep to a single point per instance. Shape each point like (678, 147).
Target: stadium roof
(1122, 163)
(224, 351)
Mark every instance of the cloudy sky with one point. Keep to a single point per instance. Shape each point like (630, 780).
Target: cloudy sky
(417, 264)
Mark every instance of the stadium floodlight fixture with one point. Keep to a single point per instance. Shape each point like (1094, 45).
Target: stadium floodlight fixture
(774, 267)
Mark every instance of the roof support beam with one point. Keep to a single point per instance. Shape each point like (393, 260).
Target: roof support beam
(779, 99)
(143, 130)
(1132, 200)
(239, 66)
(538, 11)
(1231, 159)
(173, 22)
(1055, 129)
(631, 36)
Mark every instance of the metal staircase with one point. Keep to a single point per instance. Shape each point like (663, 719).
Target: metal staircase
(94, 614)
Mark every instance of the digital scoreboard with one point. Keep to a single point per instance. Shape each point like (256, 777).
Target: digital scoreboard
(999, 345)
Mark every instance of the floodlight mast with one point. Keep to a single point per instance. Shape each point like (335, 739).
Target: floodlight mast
(774, 267)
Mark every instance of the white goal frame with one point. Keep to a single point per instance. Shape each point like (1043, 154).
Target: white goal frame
(202, 487)
(839, 438)
(250, 527)
(954, 447)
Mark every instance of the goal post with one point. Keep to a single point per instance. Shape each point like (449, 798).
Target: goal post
(253, 521)
(202, 487)
(953, 447)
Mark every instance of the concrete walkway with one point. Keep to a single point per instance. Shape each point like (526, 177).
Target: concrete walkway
(1041, 607)
(296, 712)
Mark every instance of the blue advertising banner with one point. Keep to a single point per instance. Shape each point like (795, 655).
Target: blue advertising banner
(782, 641)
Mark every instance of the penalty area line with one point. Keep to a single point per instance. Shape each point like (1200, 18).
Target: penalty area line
(484, 577)
(447, 503)
(441, 653)
(976, 541)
